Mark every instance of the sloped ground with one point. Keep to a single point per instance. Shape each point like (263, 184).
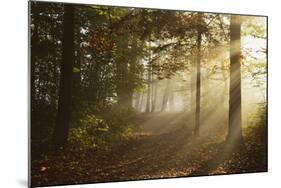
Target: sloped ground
(164, 147)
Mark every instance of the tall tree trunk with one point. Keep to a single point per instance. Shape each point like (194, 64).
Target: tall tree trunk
(149, 79)
(124, 69)
(235, 131)
(198, 84)
(76, 77)
(148, 98)
(63, 115)
(141, 102)
(152, 92)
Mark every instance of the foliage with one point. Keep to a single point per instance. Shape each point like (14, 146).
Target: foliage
(254, 26)
(112, 126)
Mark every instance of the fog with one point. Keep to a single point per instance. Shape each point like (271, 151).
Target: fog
(176, 94)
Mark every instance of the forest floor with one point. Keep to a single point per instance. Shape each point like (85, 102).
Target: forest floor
(162, 148)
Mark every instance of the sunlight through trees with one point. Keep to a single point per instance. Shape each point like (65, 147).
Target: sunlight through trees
(133, 93)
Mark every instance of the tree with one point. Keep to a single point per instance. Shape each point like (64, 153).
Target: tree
(149, 80)
(64, 102)
(46, 36)
(198, 78)
(235, 131)
(148, 98)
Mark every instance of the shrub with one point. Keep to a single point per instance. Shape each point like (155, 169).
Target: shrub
(108, 128)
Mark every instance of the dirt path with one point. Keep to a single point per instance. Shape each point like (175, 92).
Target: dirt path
(162, 148)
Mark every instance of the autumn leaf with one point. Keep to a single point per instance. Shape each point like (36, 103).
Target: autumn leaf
(43, 168)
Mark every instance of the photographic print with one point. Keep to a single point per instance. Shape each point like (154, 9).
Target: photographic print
(127, 93)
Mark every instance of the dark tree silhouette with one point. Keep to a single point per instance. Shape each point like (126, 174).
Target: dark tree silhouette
(63, 115)
(198, 83)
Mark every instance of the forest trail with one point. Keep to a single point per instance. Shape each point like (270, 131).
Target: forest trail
(157, 150)
(162, 122)
(162, 147)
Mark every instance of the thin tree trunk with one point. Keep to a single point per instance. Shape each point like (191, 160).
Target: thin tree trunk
(129, 102)
(149, 75)
(152, 92)
(235, 131)
(198, 85)
(148, 99)
(141, 102)
(63, 115)
(76, 77)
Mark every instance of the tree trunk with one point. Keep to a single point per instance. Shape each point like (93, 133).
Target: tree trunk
(152, 92)
(148, 99)
(198, 84)
(125, 67)
(149, 78)
(235, 131)
(141, 102)
(64, 103)
(76, 77)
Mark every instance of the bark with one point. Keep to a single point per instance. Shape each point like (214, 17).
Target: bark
(198, 85)
(152, 93)
(235, 131)
(141, 102)
(148, 98)
(64, 103)
(149, 78)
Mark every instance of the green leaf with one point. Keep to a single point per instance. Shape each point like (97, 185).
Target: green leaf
(103, 129)
(75, 69)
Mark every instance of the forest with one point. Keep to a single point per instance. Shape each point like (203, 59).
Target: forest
(123, 93)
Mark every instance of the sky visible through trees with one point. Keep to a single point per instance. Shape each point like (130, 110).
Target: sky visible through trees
(121, 93)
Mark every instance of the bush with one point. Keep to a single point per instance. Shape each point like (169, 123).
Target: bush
(91, 133)
(108, 128)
